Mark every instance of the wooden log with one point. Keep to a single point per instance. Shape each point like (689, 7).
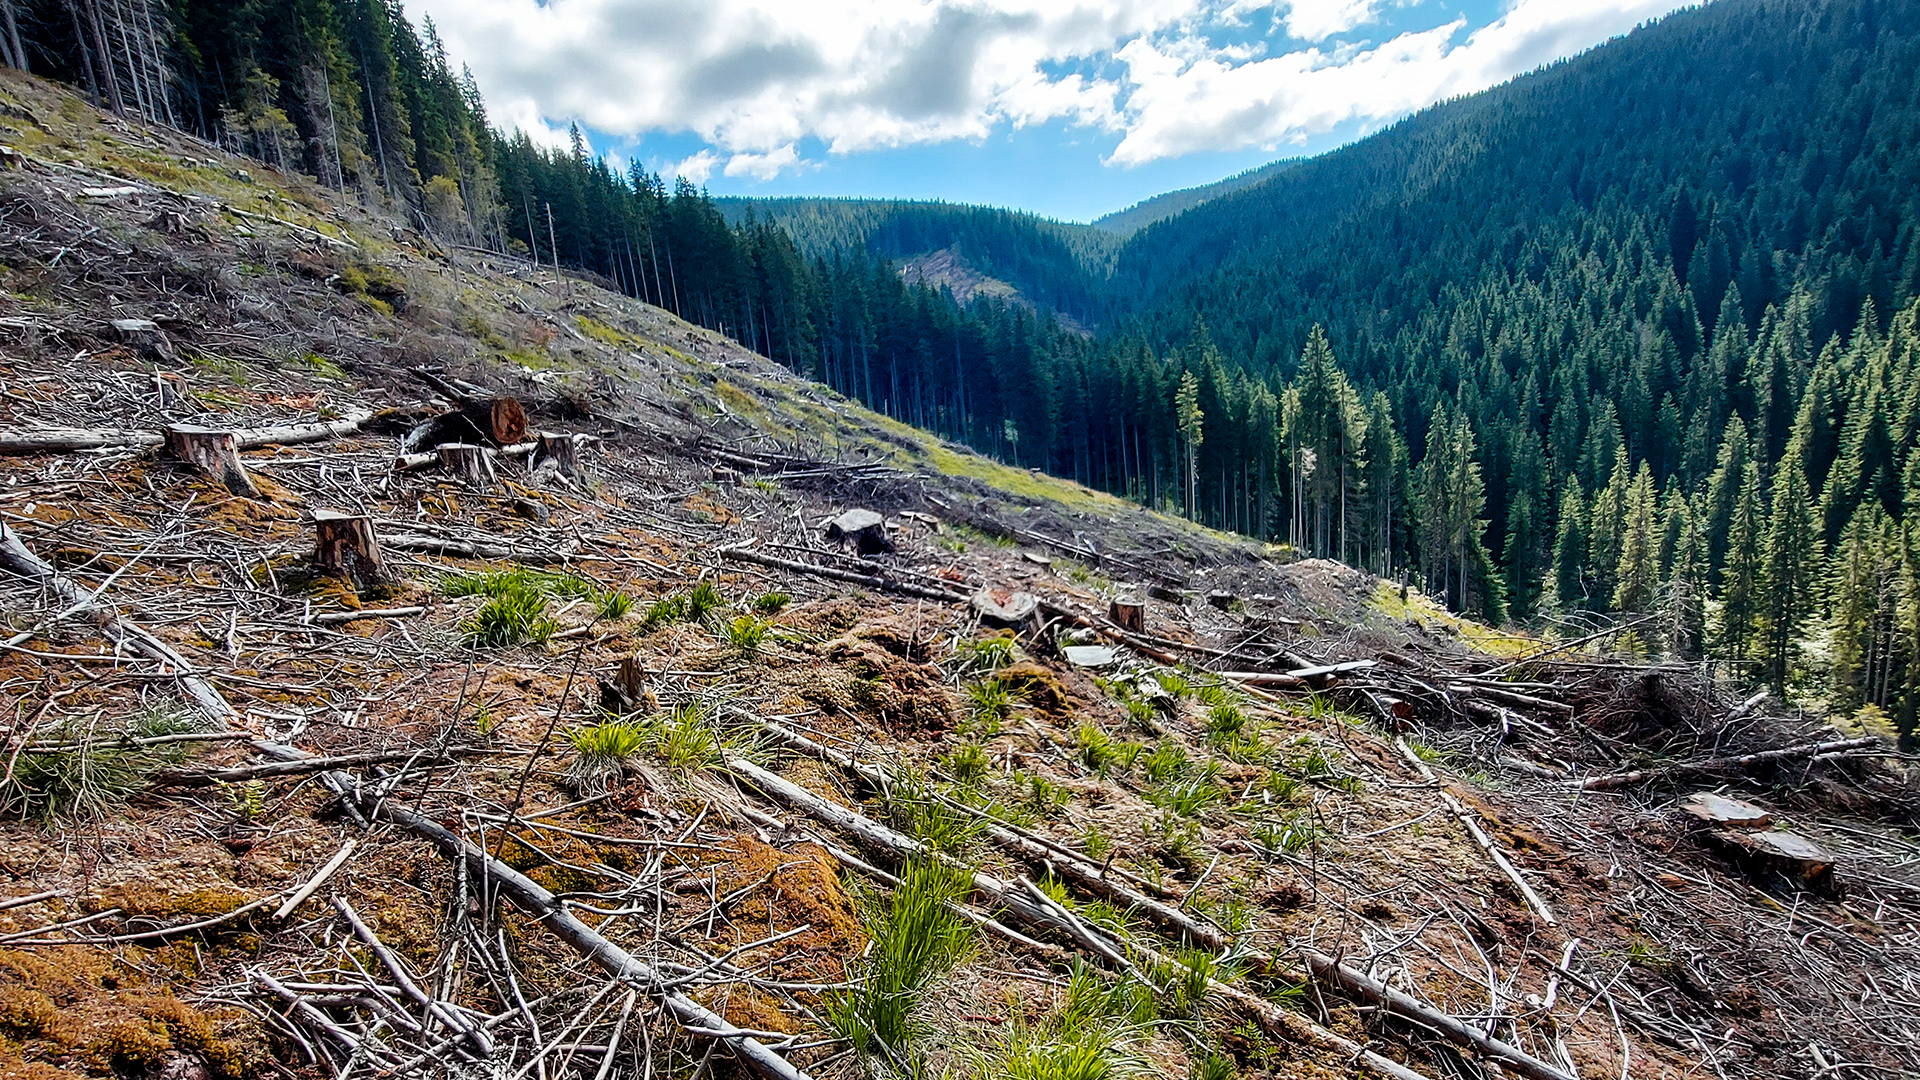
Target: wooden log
(1615, 781)
(213, 452)
(472, 549)
(67, 440)
(905, 588)
(345, 547)
(468, 463)
(530, 897)
(1128, 613)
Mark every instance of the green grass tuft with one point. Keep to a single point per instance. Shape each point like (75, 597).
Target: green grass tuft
(601, 754)
(86, 772)
(916, 939)
(771, 603)
(746, 634)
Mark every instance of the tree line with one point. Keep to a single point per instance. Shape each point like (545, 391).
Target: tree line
(1632, 339)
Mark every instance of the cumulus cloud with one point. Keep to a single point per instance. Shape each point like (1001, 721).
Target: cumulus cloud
(753, 78)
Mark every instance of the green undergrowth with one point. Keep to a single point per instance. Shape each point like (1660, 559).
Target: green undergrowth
(518, 600)
(87, 770)
(916, 938)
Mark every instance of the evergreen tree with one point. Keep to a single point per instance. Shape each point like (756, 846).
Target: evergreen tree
(1788, 573)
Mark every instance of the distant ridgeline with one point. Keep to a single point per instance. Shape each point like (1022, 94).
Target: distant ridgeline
(1631, 335)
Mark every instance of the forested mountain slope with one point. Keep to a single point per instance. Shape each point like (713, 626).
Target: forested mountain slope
(1161, 207)
(1056, 265)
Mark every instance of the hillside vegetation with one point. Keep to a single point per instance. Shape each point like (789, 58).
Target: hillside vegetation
(348, 734)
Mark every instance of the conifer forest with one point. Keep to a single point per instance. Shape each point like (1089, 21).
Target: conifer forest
(1632, 339)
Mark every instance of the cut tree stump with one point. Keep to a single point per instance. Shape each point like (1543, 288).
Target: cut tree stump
(866, 530)
(1005, 607)
(213, 452)
(627, 691)
(345, 547)
(558, 452)
(1128, 613)
(497, 421)
(146, 336)
(469, 463)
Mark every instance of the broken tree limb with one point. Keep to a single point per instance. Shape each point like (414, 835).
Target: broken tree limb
(318, 879)
(1330, 970)
(1022, 904)
(18, 559)
(68, 440)
(471, 549)
(1614, 781)
(527, 895)
(334, 618)
(1469, 821)
(435, 1008)
(870, 581)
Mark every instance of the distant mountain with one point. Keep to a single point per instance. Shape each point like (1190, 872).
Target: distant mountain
(1161, 207)
(1055, 265)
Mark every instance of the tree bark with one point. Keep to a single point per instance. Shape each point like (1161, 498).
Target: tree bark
(345, 546)
(471, 464)
(215, 453)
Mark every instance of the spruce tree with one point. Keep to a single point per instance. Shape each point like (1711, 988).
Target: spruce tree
(1789, 566)
(1637, 573)
(1741, 585)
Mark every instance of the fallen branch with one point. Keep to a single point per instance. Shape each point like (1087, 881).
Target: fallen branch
(470, 549)
(68, 440)
(333, 618)
(866, 580)
(319, 878)
(1469, 822)
(18, 559)
(1614, 781)
(544, 907)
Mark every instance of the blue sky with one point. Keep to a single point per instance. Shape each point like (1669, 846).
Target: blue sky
(1068, 108)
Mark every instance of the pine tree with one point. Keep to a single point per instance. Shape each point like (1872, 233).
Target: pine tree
(1862, 590)
(1191, 422)
(1741, 577)
(1570, 549)
(1790, 560)
(1637, 574)
(1686, 630)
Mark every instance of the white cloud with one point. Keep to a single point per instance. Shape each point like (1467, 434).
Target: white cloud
(752, 78)
(694, 169)
(765, 166)
(1317, 20)
(1181, 105)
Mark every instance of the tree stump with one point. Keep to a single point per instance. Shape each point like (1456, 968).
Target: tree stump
(471, 464)
(558, 452)
(864, 529)
(345, 547)
(1005, 607)
(1128, 613)
(146, 336)
(214, 453)
(627, 691)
